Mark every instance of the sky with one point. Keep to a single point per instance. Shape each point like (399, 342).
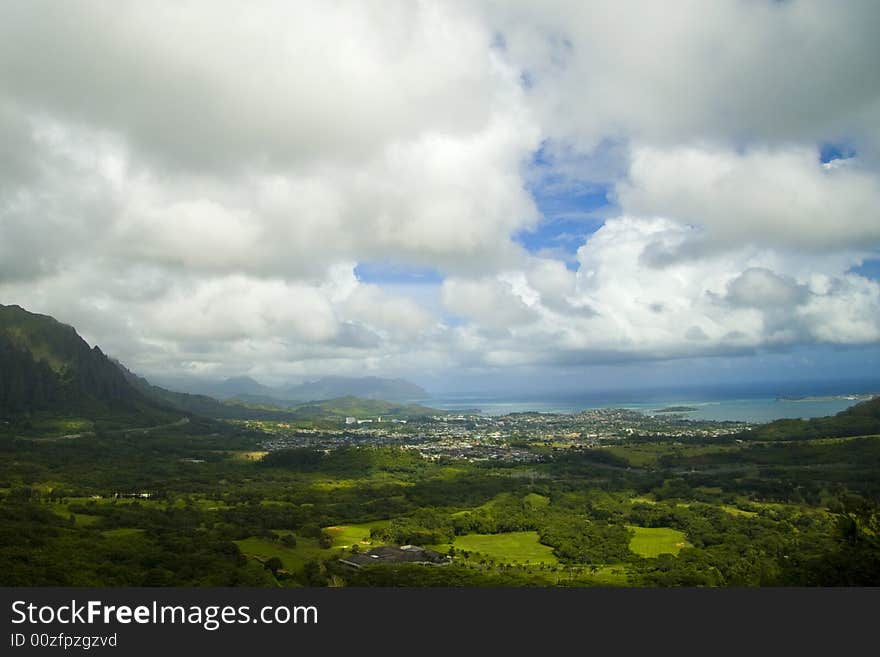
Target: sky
(484, 195)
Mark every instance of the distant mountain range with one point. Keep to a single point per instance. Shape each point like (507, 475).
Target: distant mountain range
(235, 408)
(247, 389)
(46, 367)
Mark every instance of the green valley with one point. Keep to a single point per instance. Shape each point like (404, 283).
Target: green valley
(108, 480)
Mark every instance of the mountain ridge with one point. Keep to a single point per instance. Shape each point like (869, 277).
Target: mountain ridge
(247, 389)
(48, 367)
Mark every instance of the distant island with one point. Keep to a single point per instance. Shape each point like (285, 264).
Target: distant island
(675, 409)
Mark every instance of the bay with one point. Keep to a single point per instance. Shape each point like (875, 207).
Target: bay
(700, 407)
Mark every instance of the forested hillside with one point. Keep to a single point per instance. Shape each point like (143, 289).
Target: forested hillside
(48, 367)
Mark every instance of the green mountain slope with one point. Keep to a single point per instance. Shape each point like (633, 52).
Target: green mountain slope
(264, 409)
(202, 404)
(859, 420)
(333, 387)
(45, 366)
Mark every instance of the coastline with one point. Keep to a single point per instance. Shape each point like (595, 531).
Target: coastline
(759, 409)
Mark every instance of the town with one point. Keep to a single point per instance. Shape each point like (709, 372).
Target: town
(473, 436)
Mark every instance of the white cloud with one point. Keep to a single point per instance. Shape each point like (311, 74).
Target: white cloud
(676, 71)
(491, 303)
(400, 318)
(781, 197)
(218, 84)
(740, 299)
(191, 185)
(761, 288)
(268, 139)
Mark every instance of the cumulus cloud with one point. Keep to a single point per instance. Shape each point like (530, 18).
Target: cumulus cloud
(491, 303)
(223, 325)
(192, 185)
(224, 137)
(761, 288)
(741, 300)
(782, 197)
(206, 85)
(676, 71)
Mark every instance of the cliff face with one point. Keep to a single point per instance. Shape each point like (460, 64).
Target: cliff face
(46, 365)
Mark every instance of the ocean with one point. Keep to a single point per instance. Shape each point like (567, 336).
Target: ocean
(734, 403)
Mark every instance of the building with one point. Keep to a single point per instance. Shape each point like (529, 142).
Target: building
(392, 554)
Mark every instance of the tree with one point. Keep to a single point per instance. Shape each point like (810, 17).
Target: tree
(274, 564)
(315, 573)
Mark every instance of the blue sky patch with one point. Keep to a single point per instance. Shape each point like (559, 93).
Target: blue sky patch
(451, 320)
(565, 236)
(567, 202)
(572, 210)
(393, 273)
(558, 194)
(841, 151)
(869, 269)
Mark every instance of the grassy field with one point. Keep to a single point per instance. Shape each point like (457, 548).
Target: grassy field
(241, 455)
(511, 547)
(85, 519)
(293, 558)
(653, 541)
(81, 519)
(122, 532)
(64, 426)
(732, 510)
(347, 535)
(834, 441)
(611, 575)
(536, 501)
(641, 456)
